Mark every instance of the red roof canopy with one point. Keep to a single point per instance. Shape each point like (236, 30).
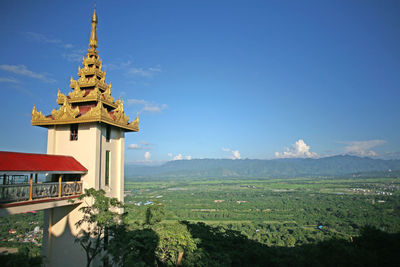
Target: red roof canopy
(27, 162)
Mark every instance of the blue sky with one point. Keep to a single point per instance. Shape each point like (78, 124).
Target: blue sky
(214, 79)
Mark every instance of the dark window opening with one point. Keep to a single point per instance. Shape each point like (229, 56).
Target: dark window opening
(74, 132)
(66, 177)
(107, 176)
(108, 133)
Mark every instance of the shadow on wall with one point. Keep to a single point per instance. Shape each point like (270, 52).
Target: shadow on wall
(59, 244)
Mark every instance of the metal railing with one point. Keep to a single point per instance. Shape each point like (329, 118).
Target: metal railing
(14, 179)
(32, 191)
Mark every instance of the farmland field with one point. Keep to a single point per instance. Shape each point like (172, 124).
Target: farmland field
(276, 212)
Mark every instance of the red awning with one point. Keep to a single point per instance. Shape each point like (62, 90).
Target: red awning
(27, 162)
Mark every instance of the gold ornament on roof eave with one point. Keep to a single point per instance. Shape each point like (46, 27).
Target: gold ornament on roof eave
(119, 114)
(95, 93)
(60, 97)
(91, 71)
(98, 112)
(135, 124)
(86, 61)
(77, 93)
(85, 82)
(68, 115)
(38, 116)
(107, 95)
(66, 112)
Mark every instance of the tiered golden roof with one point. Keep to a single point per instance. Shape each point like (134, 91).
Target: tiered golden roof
(90, 100)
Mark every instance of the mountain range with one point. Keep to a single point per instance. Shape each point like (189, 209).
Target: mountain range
(343, 165)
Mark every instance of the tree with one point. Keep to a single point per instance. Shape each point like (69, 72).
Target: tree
(174, 240)
(150, 243)
(100, 216)
(154, 214)
(133, 247)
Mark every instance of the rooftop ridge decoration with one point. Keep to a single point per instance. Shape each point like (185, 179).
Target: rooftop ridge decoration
(90, 99)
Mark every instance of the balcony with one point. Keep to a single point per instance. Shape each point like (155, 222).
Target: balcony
(22, 191)
(35, 191)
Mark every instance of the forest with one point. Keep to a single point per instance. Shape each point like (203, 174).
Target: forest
(249, 222)
(276, 212)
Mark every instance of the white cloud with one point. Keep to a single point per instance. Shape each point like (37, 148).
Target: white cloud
(24, 71)
(147, 155)
(148, 106)
(299, 150)
(118, 65)
(142, 145)
(178, 157)
(134, 146)
(144, 72)
(154, 108)
(235, 153)
(137, 101)
(68, 46)
(74, 55)
(133, 71)
(8, 80)
(43, 39)
(40, 38)
(362, 148)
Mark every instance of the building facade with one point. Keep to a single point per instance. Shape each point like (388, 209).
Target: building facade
(90, 125)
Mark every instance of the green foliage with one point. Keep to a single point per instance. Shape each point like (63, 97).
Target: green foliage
(21, 259)
(173, 239)
(100, 216)
(217, 246)
(134, 246)
(275, 224)
(151, 242)
(23, 224)
(271, 210)
(154, 214)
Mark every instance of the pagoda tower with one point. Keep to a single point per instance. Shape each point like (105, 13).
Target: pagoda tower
(89, 125)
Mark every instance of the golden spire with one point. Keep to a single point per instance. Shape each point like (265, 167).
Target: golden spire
(90, 87)
(93, 34)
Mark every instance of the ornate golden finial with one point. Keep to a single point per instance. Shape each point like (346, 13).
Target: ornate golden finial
(93, 34)
(135, 124)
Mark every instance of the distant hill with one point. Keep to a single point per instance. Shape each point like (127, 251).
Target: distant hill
(276, 168)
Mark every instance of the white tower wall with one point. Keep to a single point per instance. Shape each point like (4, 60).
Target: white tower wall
(90, 150)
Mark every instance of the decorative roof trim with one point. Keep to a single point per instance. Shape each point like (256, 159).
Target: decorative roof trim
(95, 114)
(90, 87)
